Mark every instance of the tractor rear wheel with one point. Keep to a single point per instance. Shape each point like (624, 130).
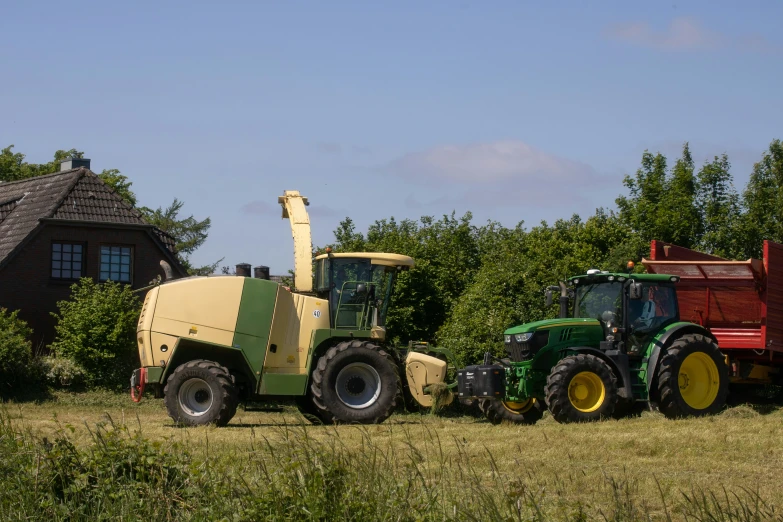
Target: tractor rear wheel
(497, 411)
(693, 379)
(201, 392)
(356, 382)
(581, 388)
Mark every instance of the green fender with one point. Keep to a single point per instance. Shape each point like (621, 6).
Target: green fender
(663, 339)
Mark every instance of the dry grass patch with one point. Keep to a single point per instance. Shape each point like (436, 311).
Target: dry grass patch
(639, 468)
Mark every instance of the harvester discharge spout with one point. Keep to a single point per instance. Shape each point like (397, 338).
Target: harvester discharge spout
(293, 205)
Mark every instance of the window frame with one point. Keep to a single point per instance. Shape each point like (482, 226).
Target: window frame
(130, 266)
(62, 242)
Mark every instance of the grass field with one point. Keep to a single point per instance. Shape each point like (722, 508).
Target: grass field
(271, 465)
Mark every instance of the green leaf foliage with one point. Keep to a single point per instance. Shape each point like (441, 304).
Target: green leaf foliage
(763, 201)
(15, 351)
(96, 328)
(189, 233)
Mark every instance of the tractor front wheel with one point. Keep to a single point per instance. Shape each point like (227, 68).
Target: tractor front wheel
(581, 388)
(693, 379)
(356, 382)
(201, 392)
(497, 411)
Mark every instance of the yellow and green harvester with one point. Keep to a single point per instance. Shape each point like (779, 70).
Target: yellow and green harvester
(208, 343)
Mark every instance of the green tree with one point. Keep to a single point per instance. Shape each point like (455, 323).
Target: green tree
(96, 328)
(661, 205)
(189, 233)
(720, 209)
(763, 201)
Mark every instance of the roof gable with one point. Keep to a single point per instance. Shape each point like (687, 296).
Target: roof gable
(72, 195)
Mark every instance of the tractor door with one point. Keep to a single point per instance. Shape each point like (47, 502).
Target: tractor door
(656, 309)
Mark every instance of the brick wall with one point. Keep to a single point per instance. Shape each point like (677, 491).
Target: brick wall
(26, 285)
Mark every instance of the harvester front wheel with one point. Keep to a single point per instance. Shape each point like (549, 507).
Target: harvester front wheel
(693, 379)
(201, 392)
(497, 411)
(356, 382)
(581, 388)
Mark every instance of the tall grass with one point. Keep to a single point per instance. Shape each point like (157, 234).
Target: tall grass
(290, 475)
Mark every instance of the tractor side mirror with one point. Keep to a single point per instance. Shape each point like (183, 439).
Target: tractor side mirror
(361, 289)
(635, 290)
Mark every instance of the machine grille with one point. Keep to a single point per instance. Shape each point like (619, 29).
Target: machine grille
(518, 352)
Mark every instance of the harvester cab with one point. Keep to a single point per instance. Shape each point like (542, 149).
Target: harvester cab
(208, 343)
(618, 339)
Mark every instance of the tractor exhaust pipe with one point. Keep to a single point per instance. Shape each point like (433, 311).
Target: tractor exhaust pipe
(563, 298)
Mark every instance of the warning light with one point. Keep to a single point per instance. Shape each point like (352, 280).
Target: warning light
(630, 266)
(328, 250)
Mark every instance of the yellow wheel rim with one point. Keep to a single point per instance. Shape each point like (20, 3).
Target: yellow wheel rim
(518, 407)
(699, 380)
(586, 391)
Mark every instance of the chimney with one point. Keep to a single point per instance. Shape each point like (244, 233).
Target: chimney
(243, 269)
(74, 163)
(261, 272)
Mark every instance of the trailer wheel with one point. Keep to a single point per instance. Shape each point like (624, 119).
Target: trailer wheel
(581, 388)
(201, 392)
(692, 378)
(497, 411)
(356, 382)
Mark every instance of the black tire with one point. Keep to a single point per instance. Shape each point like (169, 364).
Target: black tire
(311, 412)
(574, 376)
(369, 383)
(696, 387)
(497, 411)
(623, 408)
(201, 392)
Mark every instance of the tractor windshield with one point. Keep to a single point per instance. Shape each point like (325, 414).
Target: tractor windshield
(592, 300)
(360, 293)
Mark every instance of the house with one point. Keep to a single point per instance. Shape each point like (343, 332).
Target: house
(59, 227)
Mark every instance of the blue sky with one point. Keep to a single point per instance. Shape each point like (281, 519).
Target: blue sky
(512, 110)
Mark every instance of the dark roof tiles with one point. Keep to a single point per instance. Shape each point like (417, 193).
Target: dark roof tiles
(77, 195)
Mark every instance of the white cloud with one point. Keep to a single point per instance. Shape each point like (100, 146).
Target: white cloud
(482, 163)
(681, 34)
(491, 174)
(684, 34)
(329, 147)
(259, 208)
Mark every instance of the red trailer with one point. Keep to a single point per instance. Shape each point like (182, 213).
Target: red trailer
(740, 302)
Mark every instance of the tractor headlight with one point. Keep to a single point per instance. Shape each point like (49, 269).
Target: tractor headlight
(523, 338)
(508, 339)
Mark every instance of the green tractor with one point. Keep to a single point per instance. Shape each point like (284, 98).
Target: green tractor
(618, 340)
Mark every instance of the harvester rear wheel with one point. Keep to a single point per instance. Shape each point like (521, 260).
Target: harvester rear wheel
(311, 412)
(201, 392)
(693, 379)
(497, 411)
(356, 382)
(581, 388)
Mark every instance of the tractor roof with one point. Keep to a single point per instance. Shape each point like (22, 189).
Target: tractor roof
(619, 276)
(376, 258)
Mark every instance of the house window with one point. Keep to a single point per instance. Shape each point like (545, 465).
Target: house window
(116, 263)
(67, 260)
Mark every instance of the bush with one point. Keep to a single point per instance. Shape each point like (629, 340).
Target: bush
(16, 351)
(61, 372)
(96, 329)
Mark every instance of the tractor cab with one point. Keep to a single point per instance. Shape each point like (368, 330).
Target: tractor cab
(630, 308)
(358, 287)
